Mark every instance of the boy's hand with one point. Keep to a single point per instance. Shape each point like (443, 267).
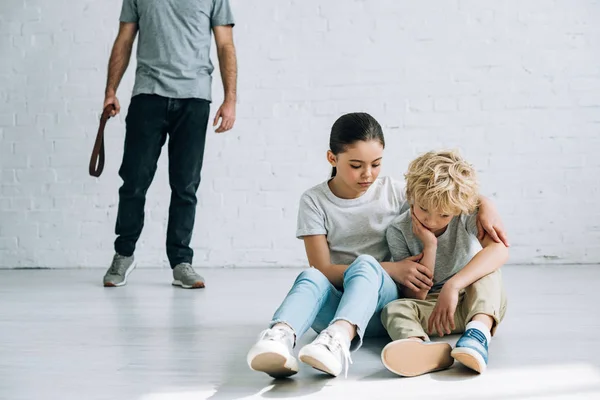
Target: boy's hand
(410, 273)
(488, 220)
(425, 235)
(442, 317)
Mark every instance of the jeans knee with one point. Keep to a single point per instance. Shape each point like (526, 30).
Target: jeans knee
(315, 277)
(364, 265)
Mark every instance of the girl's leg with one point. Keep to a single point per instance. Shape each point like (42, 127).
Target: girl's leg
(367, 289)
(312, 297)
(273, 353)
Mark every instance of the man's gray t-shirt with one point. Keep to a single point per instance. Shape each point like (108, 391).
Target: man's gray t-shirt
(353, 226)
(456, 246)
(173, 53)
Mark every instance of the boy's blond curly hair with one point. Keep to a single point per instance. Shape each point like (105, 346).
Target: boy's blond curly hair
(442, 181)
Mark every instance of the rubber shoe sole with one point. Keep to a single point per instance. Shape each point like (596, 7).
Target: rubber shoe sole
(320, 359)
(196, 285)
(409, 357)
(270, 359)
(469, 358)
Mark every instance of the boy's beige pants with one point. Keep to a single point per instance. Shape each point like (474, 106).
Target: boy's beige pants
(406, 318)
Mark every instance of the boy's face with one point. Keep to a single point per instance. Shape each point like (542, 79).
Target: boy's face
(434, 220)
(358, 167)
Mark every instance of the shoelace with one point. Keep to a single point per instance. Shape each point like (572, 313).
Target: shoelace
(477, 335)
(273, 334)
(277, 335)
(187, 270)
(117, 267)
(334, 342)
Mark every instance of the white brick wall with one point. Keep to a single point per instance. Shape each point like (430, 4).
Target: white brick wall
(514, 84)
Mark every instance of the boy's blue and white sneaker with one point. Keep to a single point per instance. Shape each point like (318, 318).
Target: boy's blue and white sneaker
(472, 350)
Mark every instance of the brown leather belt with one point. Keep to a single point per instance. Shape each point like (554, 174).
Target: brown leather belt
(97, 159)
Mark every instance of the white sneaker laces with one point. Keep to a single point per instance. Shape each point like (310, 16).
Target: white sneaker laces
(335, 342)
(279, 335)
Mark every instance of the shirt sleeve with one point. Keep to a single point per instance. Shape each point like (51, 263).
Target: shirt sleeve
(400, 191)
(129, 11)
(221, 14)
(311, 219)
(471, 223)
(397, 243)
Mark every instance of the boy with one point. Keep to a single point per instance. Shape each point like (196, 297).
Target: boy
(467, 294)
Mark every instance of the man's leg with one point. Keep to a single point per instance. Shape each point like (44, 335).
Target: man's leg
(188, 120)
(146, 129)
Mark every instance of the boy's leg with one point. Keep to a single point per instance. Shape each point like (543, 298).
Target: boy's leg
(482, 309)
(486, 298)
(367, 289)
(411, 353)
(311, 299)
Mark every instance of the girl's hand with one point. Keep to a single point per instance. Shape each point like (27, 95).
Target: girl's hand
(488, 220)
(409, 273)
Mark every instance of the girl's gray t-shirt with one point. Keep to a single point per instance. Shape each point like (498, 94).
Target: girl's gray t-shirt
(352, 226)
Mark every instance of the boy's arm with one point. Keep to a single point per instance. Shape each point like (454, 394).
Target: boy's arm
(489, 259)
(429, 254)
(407, 270)
(428, 261)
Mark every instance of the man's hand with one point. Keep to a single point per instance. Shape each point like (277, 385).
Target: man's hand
(111, 98)
(227, 114)
(425, 235)
(409, 273)
(442, 317)
(488, 220)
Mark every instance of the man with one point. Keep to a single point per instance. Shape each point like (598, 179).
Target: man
(171, 96)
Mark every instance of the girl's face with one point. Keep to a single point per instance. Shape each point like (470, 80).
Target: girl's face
(358, 166)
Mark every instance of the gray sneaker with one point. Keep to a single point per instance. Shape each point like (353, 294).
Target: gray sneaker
(119, 270)
(185, 276)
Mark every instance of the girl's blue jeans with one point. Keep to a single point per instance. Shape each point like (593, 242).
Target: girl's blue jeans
(314, 302)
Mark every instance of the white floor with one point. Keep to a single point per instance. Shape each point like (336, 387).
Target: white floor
(64, 336)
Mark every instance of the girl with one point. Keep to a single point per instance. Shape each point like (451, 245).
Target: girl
(343, 222)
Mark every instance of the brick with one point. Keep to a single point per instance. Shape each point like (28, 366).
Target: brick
(5, 204)
(445, 105)
(26, 119)
(7, 119)
(36, 176)
(10, 28)
(10, 160)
